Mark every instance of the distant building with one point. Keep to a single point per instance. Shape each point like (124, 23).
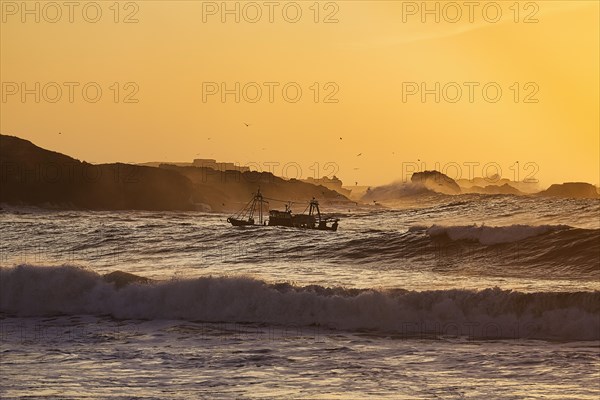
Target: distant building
(202, 163)
(218, 166)
(330, 183)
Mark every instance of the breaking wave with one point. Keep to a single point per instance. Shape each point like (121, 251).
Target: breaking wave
(490, 235)
(545, 251)
(27, 290)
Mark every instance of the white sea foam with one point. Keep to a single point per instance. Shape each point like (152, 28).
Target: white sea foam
(40, 291)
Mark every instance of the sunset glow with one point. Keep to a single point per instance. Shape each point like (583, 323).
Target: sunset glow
(370, 53)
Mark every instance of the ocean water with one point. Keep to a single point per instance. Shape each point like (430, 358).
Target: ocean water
(456, 297)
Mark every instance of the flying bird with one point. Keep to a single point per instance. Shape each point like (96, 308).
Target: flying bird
(60, 133)
(247, 125)
(340, 138)
(359, 154)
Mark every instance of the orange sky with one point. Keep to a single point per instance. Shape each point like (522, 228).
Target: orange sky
(373, 52)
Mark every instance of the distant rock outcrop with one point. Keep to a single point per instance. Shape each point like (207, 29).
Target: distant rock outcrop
(31, 175)
(581, 190)
(227, 191)
(494, 189)
(489, 185)
(330, 183)
(436, 182)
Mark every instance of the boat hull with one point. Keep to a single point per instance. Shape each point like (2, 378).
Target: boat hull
(302, 224)
(239, 222)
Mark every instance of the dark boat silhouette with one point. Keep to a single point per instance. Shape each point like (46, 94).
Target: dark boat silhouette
(259, 204)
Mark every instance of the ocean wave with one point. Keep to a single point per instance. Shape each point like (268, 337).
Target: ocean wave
(27, 290)
(490, 235)
(544, 251)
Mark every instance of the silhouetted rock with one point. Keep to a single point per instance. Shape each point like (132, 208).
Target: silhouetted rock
(30, 175)
(580, 190)
(330, 183)
(478, 185)
(436, 181)
(34, 176)
(230, 190)
(494, 189)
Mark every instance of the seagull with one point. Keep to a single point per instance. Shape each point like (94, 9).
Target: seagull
(359, 154)
(247, 125)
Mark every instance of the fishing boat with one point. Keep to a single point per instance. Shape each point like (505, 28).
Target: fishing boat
(259, 204)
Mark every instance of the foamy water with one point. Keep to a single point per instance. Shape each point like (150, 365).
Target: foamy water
(470, 297)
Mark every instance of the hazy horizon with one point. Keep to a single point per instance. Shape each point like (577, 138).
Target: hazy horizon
(360, 70)
(291, 169)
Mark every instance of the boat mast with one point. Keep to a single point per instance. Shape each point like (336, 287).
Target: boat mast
(260, 219)
(251, 211)
(259, 198)
(314, 205)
